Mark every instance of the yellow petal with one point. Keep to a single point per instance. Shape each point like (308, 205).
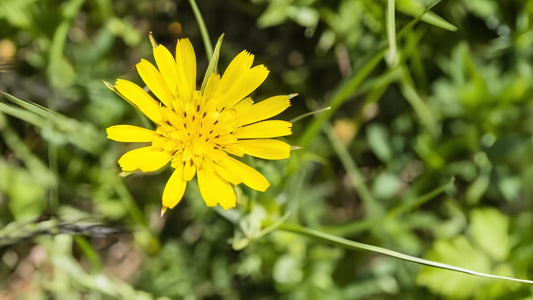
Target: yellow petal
(239, 80)
(247, 174)
(174, 118)
(227, 174)
(167, 66)
(243, 107)
(266, 109)
(214, 189)
(129, 134)
(155, 82)
(265, 129)
(146, 159)
(234, 149)
(240, 64)
(186, 67)
(189, 169)
(264, 148)
(218, 157)
(174, 189)
(140, 99)
(211, 86)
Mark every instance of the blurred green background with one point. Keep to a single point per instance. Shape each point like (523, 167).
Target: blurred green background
(427, 150)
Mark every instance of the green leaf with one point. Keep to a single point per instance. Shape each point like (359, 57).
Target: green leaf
(378, 140)
(275, 14)
(489, 230)
(287, 270)
(457, 252)
(304, 16)
(60, 70)
(26, 195)
(212, 67)
(55, 126)
(17, 12)
(416, 9)
(386, 185)
(436, 20)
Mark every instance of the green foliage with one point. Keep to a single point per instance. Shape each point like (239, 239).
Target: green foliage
(426, 150)
(486, 251)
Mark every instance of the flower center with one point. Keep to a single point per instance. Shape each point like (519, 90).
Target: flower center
(194, 131)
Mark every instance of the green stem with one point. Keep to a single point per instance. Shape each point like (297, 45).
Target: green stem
(410, 205)
(391, 33)
(372, 207)
(134, 210)
(352, 245)
(53, 199)
(315, 112)
(69, 11)
(203, 29)
(90, 253)
(420, 107)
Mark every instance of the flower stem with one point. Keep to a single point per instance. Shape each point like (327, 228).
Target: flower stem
(372, 207)
(352, 245)
(391, 34)
(203, 29)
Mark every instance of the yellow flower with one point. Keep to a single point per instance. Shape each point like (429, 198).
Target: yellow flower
(196, 130)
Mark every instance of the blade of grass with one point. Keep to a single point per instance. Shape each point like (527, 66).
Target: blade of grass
(315, 112)
(422, 110)
(124, 195)
(83, 135)
(21, 114)
(58, 67)
(53, 194)
(90, 253)
(429, 17)
(23, 153)
(372, 207)
(410, 205)
(392, 55)
(17, 231)
(203, 29)
(353, 245)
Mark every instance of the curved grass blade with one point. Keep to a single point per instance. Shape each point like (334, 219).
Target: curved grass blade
(365, 247)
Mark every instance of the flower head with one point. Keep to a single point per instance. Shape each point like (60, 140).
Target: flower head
(199, 131)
